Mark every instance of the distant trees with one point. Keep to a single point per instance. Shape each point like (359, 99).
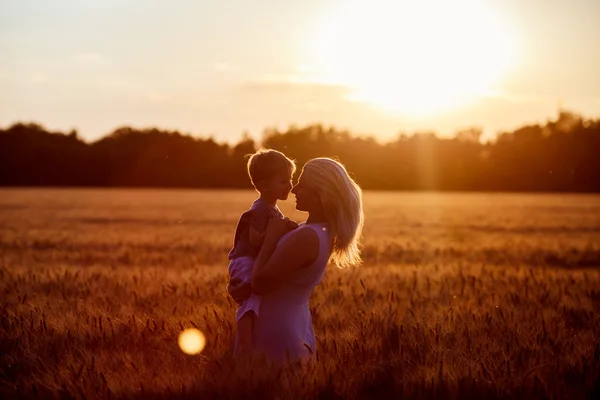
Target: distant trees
(562, 155)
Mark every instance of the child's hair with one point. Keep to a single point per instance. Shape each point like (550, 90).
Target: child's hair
(265, 164)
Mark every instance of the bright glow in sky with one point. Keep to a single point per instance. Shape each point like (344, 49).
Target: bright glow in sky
(403, 57)
(219, 67)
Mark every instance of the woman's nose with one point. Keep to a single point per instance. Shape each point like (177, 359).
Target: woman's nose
(294, 189)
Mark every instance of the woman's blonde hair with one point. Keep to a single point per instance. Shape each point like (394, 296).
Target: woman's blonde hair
(341, 199)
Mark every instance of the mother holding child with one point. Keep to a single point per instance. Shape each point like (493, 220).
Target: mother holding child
(275, 263)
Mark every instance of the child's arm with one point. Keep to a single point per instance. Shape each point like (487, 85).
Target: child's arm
(258, 225)
(255, 237)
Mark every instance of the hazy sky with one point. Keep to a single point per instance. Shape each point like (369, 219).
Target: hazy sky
(219, 67)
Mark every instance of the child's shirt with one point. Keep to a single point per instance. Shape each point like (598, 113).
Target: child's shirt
(257, 218)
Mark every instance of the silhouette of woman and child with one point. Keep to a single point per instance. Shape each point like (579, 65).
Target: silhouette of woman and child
(276, 263)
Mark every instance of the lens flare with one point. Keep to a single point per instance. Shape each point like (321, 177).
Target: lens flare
(191, 341)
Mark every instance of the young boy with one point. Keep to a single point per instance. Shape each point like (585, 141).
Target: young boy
(271, 174)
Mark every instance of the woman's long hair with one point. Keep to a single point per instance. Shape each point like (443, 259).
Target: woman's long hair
(341, 199)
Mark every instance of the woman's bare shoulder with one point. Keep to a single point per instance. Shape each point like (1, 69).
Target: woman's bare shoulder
(302, 242)
(307, 243)
(304, 235)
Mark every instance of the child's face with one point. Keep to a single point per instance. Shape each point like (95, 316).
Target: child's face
(279, 187)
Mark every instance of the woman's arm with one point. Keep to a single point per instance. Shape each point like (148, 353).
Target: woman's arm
(274, 263)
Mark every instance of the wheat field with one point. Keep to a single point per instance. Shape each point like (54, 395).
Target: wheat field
(460, 295)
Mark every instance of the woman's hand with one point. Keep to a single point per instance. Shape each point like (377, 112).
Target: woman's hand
(279, 227)
(237, 291)
(292, 225)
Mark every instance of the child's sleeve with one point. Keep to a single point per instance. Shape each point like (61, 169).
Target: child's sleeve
(258, 225)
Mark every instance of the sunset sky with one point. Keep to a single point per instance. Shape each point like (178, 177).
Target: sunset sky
(220, 67)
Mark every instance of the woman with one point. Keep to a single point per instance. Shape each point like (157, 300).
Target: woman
(290, 264)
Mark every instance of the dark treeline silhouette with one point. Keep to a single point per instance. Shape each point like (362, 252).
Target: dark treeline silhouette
(562, 155)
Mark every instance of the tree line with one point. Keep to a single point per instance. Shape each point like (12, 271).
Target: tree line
(562, 155)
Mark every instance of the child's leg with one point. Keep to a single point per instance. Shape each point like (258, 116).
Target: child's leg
(245, 326)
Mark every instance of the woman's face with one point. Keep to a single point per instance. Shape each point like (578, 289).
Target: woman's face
(307, 198)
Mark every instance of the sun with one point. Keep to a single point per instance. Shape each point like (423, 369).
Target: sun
(415, 57)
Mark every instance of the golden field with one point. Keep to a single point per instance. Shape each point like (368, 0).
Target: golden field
(460, 295)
